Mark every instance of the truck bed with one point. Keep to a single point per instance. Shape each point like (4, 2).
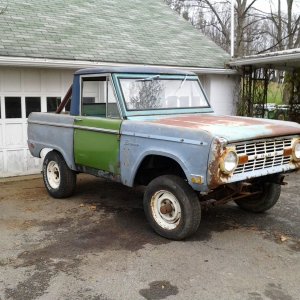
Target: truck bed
(52, 131)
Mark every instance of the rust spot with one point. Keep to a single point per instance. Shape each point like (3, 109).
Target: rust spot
(166, 209)
(288, 152)
(296, 164)
(204, 122)
(200, 121)
(217, 178)
(243, 159)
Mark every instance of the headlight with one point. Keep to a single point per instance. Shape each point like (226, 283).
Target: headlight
(296, 150)
(229, 161)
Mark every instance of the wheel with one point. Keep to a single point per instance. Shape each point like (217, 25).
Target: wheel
(172, 207)
(59, 179)
(261, 202)
(280, 115)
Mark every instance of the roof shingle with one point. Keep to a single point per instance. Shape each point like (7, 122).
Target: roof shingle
(118, 31)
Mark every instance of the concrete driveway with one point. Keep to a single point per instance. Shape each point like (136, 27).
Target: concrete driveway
(98, 245)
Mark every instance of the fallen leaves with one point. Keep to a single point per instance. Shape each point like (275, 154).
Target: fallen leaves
(283, 238)
(91, 207)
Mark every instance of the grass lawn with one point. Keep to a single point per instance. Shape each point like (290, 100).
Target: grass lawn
(275, 92)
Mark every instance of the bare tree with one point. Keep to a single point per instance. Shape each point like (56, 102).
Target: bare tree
(284, 28)
(256, 31)
(213, 19)
(146, 94)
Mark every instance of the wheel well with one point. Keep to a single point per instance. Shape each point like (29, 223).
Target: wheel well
(153, 166)
(45, 151)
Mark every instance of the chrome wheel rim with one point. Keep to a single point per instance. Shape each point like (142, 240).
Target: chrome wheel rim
(166, 209)
(53, 174)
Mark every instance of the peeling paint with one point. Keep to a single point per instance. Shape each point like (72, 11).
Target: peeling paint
(233, 128)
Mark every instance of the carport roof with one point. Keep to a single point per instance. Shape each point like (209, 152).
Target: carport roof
(287, 59)
(111, 31)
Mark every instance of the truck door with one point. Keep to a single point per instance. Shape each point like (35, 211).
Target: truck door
(97, 129)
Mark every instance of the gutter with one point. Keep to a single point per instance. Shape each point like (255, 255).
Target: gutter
(80, 64)
(266, 59)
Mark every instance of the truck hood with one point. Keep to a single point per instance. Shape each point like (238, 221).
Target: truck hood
(231, 128)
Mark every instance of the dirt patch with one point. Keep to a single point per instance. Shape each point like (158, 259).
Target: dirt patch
(49, 237)
(275, 292)
(159, 290)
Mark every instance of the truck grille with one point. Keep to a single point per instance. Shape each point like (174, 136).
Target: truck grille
(263, 154)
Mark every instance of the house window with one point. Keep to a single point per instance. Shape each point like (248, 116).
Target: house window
(13, 107)
(32, 104)
(53, 103)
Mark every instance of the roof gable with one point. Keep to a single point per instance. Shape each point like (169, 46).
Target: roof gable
(122, 31)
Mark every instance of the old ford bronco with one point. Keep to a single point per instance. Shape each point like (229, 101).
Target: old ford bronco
(155, 127)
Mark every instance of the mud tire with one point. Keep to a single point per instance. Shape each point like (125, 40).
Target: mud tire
(59, 179)
(261, 202)
(185, 199)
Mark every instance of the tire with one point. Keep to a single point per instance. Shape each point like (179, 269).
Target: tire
(172, 207)
(59, 179)
(280, 115)
(261, 202)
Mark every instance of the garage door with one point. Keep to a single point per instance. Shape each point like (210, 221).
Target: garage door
(23, 91)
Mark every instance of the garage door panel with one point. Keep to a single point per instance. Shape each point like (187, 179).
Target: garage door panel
(51, 81)
(31, 81)
(15, 161)
(14, 135)
(1, 163)
(1, 136)
(12, 81)
(23, 90)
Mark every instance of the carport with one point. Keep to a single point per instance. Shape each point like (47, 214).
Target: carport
(258, 71)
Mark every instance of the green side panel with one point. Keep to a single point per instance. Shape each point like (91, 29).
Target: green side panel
(99, 150)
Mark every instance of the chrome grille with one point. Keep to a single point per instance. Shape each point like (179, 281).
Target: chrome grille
(263, 154)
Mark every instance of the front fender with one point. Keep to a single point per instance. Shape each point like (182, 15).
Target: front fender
(130, 173)
(191, 158)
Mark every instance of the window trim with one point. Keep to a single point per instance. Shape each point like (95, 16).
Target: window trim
(108, 78)
(164, 108)
(157, 112)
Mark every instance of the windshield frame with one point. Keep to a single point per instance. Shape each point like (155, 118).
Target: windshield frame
(159, 111)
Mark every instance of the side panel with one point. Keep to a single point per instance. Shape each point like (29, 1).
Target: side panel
(54, 131)
(97, 143)
(190, 149)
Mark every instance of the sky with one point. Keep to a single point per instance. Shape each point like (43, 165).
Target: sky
(264, 5)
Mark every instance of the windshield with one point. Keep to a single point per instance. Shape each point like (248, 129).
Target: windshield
(154, 92)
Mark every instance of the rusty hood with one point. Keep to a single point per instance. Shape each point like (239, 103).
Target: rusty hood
(232, 128)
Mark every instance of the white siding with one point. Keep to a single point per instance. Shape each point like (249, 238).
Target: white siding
(222, 92)
(15, 158)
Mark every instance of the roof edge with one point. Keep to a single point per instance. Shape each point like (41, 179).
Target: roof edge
(80, 64)
(267, 58)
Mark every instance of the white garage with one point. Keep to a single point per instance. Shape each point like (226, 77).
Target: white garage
(40, 52)
(23, 90)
